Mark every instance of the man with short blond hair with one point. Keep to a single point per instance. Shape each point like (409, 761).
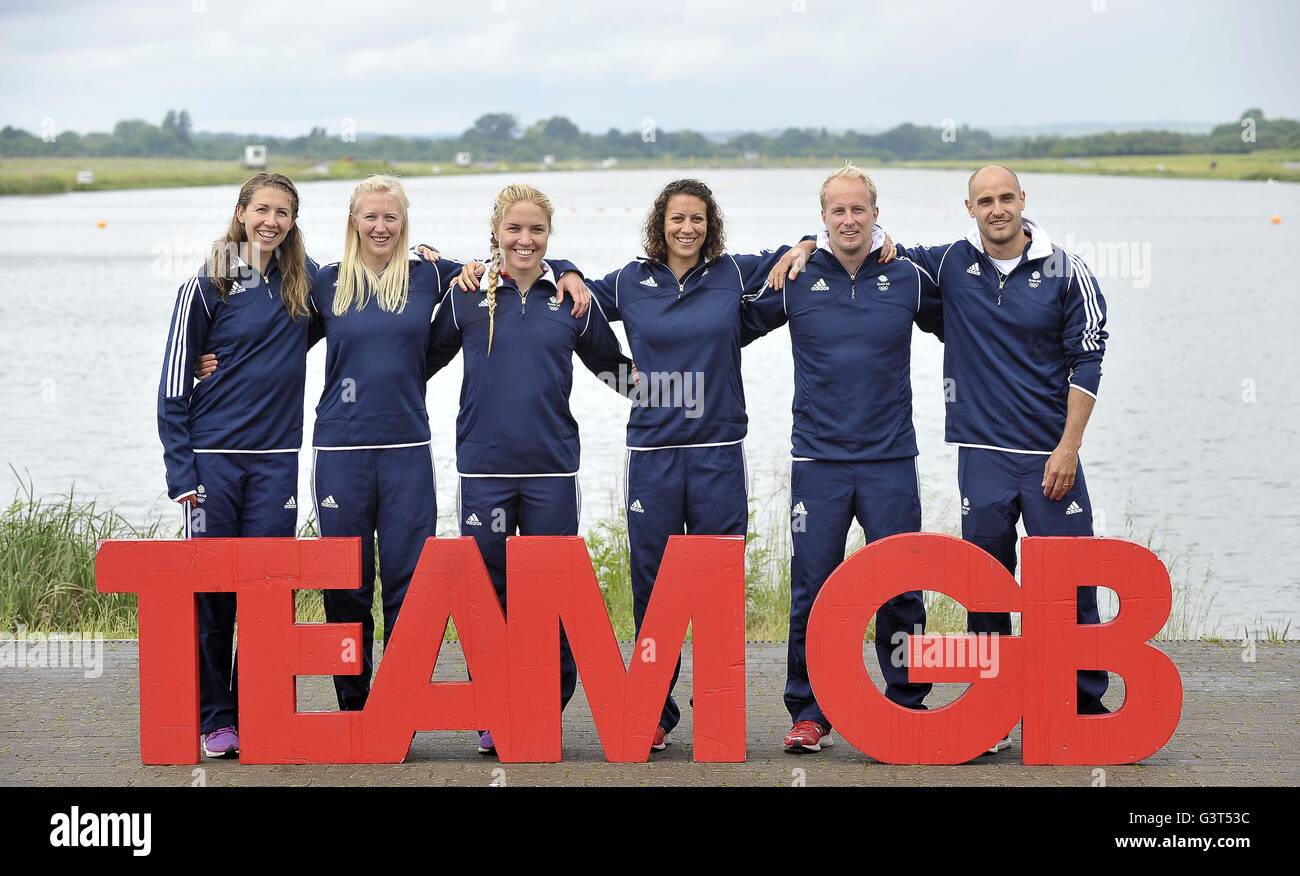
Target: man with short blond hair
(854, 448)
(853, 173)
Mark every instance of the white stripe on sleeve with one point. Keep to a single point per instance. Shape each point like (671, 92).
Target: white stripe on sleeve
(176, 362)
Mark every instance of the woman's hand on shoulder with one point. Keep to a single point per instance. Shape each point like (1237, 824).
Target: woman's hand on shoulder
(571, 284)
(469, 276)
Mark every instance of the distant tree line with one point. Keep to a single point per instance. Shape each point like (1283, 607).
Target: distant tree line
(499, 137)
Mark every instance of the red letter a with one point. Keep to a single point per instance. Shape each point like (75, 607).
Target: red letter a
(449, 581)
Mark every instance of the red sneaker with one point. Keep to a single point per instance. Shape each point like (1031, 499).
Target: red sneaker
(660, 740)
(807, 736)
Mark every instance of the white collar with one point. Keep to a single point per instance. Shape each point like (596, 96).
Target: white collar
(547, 274)
(877, 239)
(273, 262)
(1040, 244)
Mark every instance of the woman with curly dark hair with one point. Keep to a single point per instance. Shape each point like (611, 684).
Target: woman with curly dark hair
(681, 305)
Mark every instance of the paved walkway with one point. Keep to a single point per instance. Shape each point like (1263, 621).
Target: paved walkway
(1239, 727)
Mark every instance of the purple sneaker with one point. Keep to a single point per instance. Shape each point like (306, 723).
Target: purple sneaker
(485, 743)
(222, 742)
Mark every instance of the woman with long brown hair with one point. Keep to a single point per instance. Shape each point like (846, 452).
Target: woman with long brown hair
(231, 442)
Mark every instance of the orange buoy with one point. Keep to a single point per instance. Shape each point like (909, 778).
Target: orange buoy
(101, 224)
(1277, 220)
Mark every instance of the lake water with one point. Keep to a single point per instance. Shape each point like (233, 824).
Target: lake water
(1192, 438)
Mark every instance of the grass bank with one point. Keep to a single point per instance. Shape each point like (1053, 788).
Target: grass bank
(47, 573)
(40, 176)
(1275, 164)
(43, 176)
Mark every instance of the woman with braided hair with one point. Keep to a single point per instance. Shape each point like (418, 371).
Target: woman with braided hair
(517, 445)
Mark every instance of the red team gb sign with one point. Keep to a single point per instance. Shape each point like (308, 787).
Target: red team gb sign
(514, 662)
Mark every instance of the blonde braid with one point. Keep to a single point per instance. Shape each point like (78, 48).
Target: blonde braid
(511, 194)
(494, 276)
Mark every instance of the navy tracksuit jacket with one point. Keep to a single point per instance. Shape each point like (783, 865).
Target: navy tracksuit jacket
(1015, 346)
(517, 445)
(685, 469)
(232, 440)
(854, 446)
(372, 467)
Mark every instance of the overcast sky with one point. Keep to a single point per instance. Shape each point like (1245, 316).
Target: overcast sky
(429, 68)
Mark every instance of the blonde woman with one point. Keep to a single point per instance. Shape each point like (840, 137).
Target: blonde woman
(230, 444)
(517, 444)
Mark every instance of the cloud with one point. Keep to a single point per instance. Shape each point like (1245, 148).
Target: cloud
(407, 67)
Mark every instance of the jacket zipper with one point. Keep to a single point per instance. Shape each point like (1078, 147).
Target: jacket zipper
(1002, 279)
(681, 284)
(853, 278)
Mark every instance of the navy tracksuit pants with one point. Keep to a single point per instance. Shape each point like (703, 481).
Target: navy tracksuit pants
(387, 491)
(825, 497)
(997, 489)
(679, 491)
(491, 509)
(241, 495)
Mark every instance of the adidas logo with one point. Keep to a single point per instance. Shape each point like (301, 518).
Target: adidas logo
(649, 281)
(800, 510)
(820, 286)
(483, 303)
(1073, 509)
(472, 520)
(330, 503)
(965, 506)
(291, 505)
(974, 269)
(636, 506)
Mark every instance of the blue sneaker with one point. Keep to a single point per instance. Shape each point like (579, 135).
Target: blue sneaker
(222, 742)
(485, 743)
